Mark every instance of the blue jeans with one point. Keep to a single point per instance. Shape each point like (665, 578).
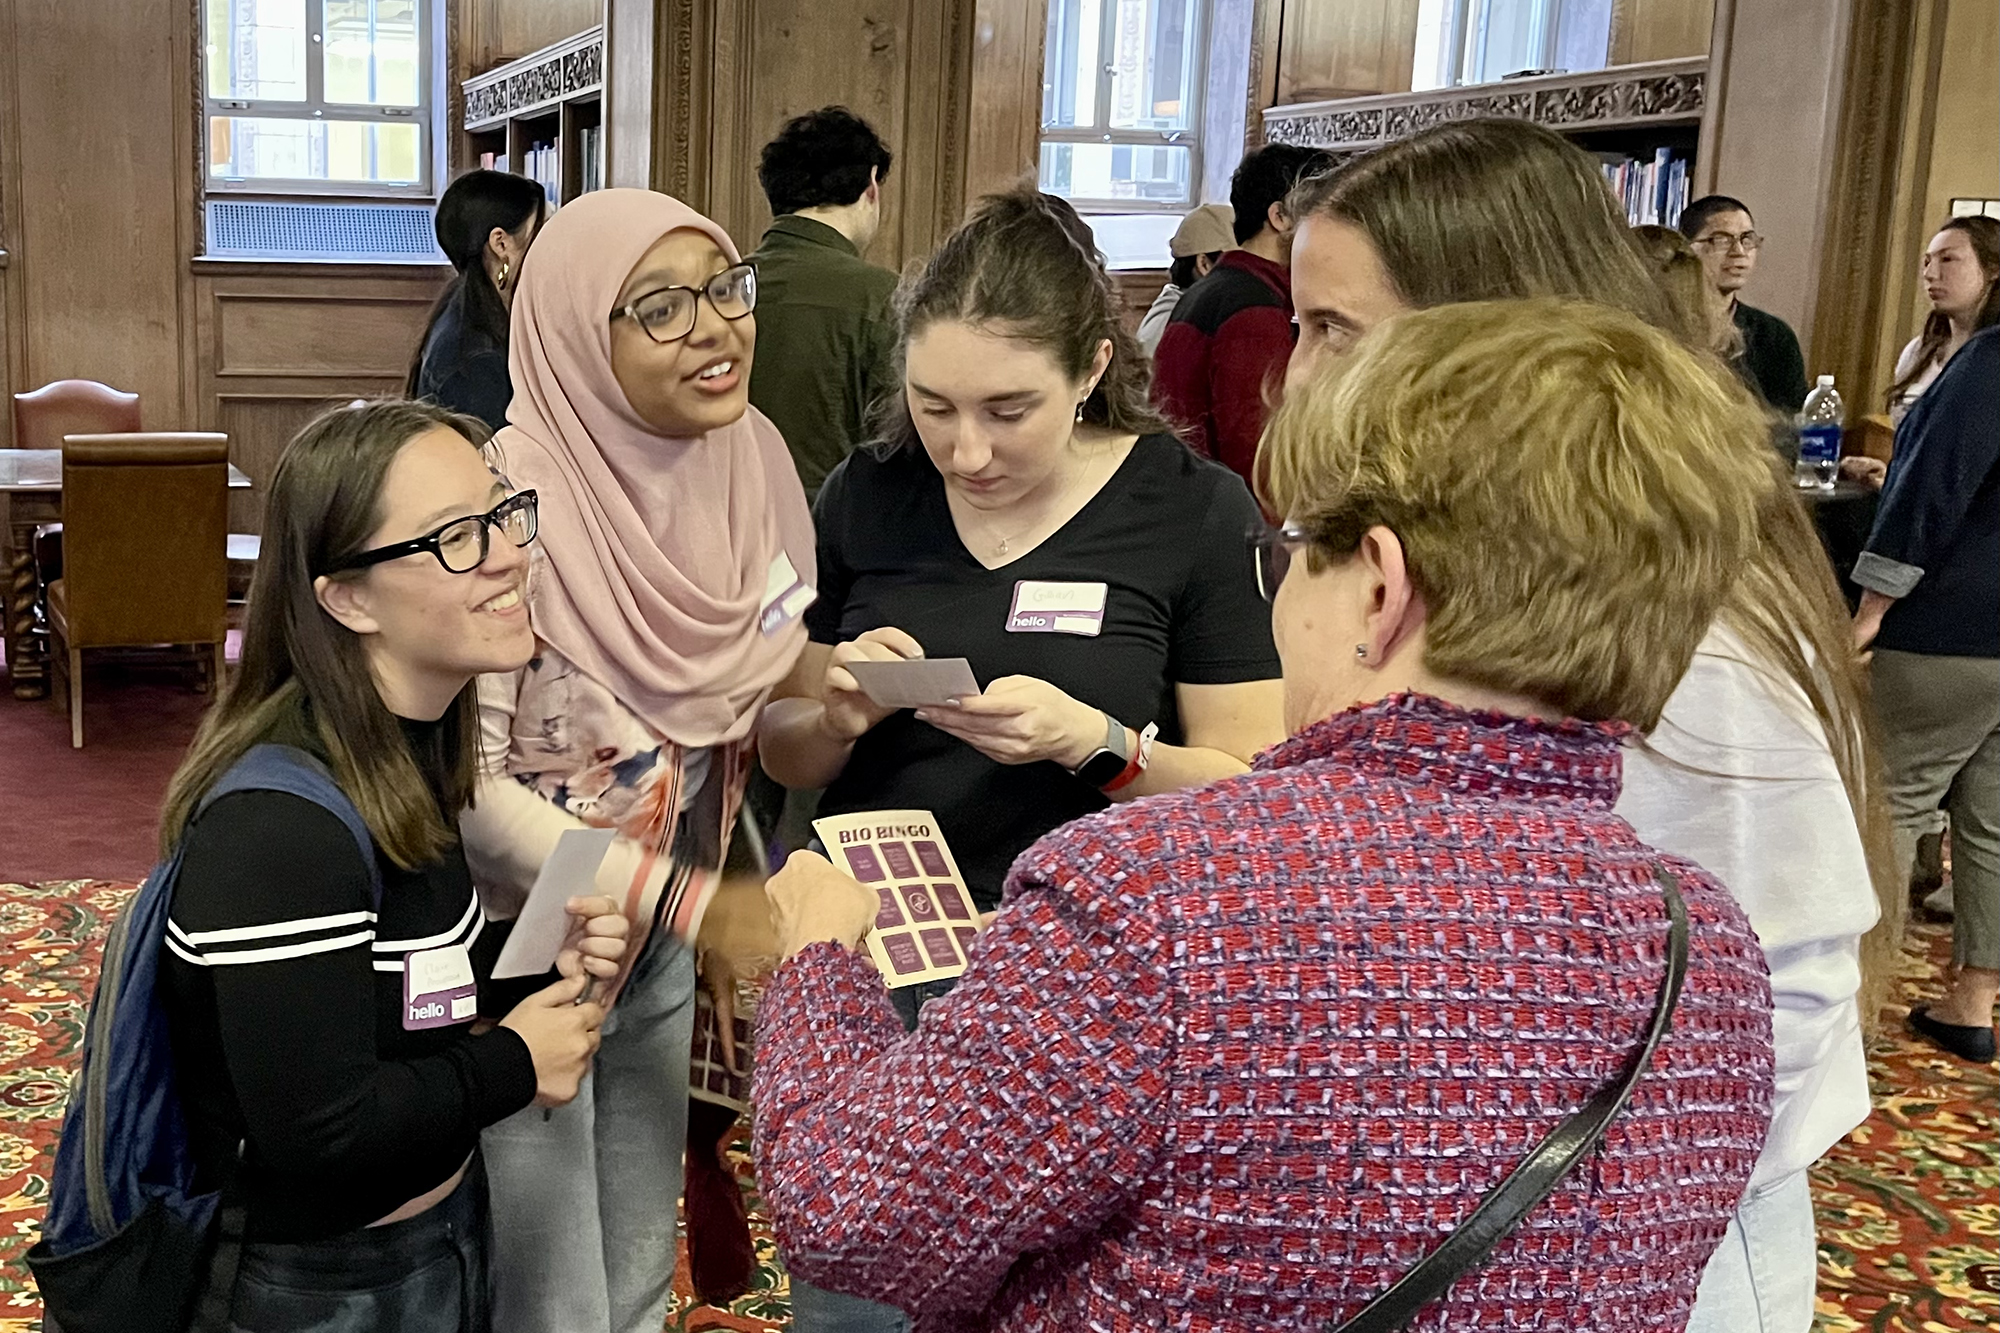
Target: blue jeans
(425, 1274)
(586, 1197)
(1764, 1276)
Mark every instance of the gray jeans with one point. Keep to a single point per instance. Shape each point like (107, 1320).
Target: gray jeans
(586, 1198)
(1941, 740)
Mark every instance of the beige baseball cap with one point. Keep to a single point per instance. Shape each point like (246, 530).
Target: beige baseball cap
(1209, 228)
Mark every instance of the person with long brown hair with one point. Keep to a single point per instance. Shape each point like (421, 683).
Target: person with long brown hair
(1762, 767)
(1681, 276)
(1962, 280)
(343, 1099)
(1020, 470)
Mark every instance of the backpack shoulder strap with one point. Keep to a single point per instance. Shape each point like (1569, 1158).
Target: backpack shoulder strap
(288, 769)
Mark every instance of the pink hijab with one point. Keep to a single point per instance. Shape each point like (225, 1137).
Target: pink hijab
(656, 550)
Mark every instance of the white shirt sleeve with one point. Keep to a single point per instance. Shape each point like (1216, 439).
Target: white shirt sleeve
(510, 830)
(1739, 778)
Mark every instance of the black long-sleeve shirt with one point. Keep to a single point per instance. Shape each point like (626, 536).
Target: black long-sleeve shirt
(465, 370)
(1935, 547)
(283, 986)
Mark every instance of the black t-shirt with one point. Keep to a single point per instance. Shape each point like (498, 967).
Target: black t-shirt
(283, 988)
(1166, 535)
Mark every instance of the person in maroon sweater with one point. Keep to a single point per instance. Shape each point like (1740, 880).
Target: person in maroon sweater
(1226, 345)
(1237, 1057)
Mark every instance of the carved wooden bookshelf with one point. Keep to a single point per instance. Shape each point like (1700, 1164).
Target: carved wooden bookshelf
(554, 97)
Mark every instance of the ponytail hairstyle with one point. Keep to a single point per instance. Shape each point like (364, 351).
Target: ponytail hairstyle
(1983, 233)
(1025, 266)
(304, 679)
(473, 205)
(1481, 210)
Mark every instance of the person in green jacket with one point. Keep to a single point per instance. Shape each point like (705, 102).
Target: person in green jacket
(825, 333)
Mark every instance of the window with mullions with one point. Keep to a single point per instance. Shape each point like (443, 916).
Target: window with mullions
(1121, 88)
(318, 96)
(1482, 41)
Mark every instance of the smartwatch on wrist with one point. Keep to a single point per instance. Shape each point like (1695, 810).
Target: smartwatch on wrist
(1115, 763)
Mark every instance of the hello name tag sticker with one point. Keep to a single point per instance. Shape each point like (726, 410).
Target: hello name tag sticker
(1042, 607)
(786, 596)
(438, 989)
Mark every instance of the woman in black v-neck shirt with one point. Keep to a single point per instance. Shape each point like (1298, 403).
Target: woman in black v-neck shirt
(1027, 512)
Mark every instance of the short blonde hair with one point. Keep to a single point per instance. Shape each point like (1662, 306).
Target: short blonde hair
(1574, 490)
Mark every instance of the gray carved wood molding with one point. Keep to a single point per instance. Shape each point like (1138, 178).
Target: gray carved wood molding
(572, 66)
(1666, 91)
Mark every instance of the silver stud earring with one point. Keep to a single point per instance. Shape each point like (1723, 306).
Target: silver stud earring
(1361, 652)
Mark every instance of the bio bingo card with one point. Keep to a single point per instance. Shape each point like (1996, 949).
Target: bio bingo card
(926, 921)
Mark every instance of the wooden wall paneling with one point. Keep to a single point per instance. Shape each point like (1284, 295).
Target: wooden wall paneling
(1349, 49)
(1267, 40)
(1857, 259)
(492, 32)
(279, 342)
(1005, 111)
(1769, 133)
(1643, 30)
(102, 196)
(12, 345)
(631, 67)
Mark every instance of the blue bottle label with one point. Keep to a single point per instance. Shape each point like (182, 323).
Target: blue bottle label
(1819, 443)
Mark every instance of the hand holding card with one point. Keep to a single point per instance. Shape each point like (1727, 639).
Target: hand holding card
(924, 920)
(920, 684)
(849, 711)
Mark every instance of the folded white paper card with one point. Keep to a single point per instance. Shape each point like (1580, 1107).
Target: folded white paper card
(570, 871)
(921, 683)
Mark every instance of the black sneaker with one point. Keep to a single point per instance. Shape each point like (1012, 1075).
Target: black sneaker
(1967, 1043)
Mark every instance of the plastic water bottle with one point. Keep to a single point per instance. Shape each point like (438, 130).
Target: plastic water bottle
(1819, 438)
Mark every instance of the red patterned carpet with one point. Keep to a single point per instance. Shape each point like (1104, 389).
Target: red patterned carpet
(1908, 1206)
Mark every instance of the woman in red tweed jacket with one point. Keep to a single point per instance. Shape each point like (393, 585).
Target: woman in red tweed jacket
(1236, 1058)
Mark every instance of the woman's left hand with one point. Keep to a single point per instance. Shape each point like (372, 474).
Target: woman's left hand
(1019, 720)
(596, 942)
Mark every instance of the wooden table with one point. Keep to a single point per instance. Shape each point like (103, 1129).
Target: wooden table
(1844, 516)
(31, 495)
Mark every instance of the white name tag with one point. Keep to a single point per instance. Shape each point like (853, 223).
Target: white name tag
(786, 596)
(1042, 607)
(438, 988)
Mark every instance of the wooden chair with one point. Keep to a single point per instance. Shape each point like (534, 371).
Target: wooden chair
(147, 516)
(41, 418)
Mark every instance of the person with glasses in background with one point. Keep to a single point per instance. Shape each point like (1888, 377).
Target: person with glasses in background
(1239, 1055)
(391, 578)
(1725, 238)
(675, 562)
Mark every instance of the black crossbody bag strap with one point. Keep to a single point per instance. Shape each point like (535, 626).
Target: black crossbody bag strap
(1538, 1175)
(218, 1291)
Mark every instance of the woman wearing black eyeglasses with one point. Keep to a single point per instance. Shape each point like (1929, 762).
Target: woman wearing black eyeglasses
(325, 1002)
(666, 595)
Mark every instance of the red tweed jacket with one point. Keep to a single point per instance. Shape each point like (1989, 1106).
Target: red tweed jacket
(1235, 1058)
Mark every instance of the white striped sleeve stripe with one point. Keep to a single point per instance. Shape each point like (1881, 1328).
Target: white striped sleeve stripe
(276, 953)
(472, 920)
(396, 964)
(273, 930)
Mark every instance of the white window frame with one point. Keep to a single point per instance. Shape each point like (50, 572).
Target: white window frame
(424, 115)
(1101, 131)
(1461, 32)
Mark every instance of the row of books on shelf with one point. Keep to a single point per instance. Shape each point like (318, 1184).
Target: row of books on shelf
(542, 163)
(1653, 192)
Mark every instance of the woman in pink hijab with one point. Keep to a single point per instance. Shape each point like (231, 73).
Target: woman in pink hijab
(675, 559)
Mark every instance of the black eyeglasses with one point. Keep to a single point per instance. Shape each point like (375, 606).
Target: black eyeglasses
(667, 314)
(460, 545)
(1272, 549)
